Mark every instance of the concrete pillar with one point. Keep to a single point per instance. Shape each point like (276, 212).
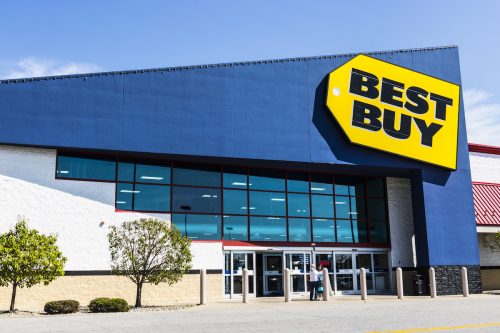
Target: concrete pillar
(399, 282)
(286, 284)
(245, 285)
(203, 286)
(432, 279)
(362, 279)
(326, 285)
(465, 282)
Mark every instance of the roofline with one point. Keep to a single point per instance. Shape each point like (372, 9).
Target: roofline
(485, 183)
(486, 149)
(229, 64)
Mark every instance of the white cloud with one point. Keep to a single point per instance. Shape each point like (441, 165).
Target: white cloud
(32, 67)
(482, 117)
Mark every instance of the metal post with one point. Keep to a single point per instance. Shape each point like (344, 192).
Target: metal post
(432, 278)
(364, 294)
(245, 285)
(288, 297)
(465, 282)
(326, 285)
(399, 282)
(203, 286)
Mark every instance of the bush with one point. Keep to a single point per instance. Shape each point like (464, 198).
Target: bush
(104, 304)
(58, 307)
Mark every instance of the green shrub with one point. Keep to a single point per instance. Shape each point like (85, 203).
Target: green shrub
(104, 304)
(58, 307)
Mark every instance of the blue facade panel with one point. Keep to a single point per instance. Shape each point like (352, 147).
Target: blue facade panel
(267, 111)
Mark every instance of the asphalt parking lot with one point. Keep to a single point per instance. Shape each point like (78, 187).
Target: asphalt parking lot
(478, 313)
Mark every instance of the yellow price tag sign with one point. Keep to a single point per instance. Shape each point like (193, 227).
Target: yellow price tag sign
(397, 110)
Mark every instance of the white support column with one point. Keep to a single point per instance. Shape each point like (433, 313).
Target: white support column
(465, 282)
(287, 291)
(245, 285)
(432, 282)
(203, 286)
(399, 282)
(326, 285)
(362, 279)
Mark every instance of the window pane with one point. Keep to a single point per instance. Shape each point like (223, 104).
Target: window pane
(235, 202)
(298, 182)
(349, 186)
(235, 178)
(267, 180)
(344, 232)
(85, 168)
(152, 174)
(357, 207)
(196, 176)
(299, 230)
(376, 209)
(360, 231)
(322, 206)
(204, 227)
(236, 227)
(268, 229)
(380, 262)
(378, 231)
(196, 200)
(126, 172)
(375, 187)
(342, 205)
(298, 205)
(267, 203)
(323, 230)
(124, 196)
(152, 198)
(321, 184)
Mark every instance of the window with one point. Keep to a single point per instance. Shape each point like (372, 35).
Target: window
(236, 228)
(196, 200)
(268, 229)
(269, 180)
(152, 174)
(298, 182)
(321, 184)
(235, 202)
(235, 178)
(299, 230)
(298, 205)
(140, 197)
(322, 206)
(267, 203)
(197, 226)
(85, 168)
(196, 176)
(344, 231)
(323, 230)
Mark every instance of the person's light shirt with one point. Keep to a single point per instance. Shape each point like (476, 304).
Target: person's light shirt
(313, 275)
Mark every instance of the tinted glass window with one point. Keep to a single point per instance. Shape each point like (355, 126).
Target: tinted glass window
(298, 205)
(152, 198)
(349, 186)
(126, 172)
(236, 227)
(342, 207)
(267, 180)
(344, 232)
(196, 176)
(85, 168)
(321, 184)
(299, 230)
(267, 203)
(235, 178)
(235, 202)
(268, 229)
(298, 182)
(197, 226)
(376, 209)
(152, 174)
(196, 200)
(322, 206)
(378, 231)
(323, 230)
(124, 196)
(375, 187)
(360, 231)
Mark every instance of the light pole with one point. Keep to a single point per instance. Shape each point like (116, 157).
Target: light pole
(185, 208)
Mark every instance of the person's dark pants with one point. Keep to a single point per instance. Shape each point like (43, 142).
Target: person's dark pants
(313, 287)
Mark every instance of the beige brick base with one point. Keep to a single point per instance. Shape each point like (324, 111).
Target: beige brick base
(85, 288)
(491, 279)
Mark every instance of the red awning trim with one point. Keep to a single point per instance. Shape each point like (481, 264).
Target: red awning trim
(479, 148)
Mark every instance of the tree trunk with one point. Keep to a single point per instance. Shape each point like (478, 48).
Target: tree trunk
(13, 298)
(138, 295)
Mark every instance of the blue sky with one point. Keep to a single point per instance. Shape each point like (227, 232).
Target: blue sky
(60, 37)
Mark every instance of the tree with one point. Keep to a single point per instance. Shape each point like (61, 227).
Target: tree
(28, 258)
(148, 250)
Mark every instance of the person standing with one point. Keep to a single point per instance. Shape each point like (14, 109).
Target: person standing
(313, 283)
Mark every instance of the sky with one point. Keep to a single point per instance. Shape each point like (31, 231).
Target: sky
(39, 38)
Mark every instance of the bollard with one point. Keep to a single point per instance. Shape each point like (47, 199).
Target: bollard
(364, 294)
(288, 295)
(432, 278)
(465, 282)
(399, 282)
(245, 285)
(326, 285)
(203, 286)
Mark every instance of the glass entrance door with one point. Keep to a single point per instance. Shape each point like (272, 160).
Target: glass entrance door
(235, 262)
(273, 274)
(364, 260)
(344, 272)
(299, 265)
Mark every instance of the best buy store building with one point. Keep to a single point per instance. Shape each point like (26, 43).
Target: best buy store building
(345, 161)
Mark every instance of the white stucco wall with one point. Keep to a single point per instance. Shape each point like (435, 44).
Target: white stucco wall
(485, 167)
(400, 222)
(71, 209)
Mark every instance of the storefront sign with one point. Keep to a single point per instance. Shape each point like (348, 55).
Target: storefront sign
(397, 110)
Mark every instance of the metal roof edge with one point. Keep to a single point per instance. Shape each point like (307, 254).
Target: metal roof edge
(487, 149)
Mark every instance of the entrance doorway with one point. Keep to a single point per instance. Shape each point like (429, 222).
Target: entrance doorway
(273, 274)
